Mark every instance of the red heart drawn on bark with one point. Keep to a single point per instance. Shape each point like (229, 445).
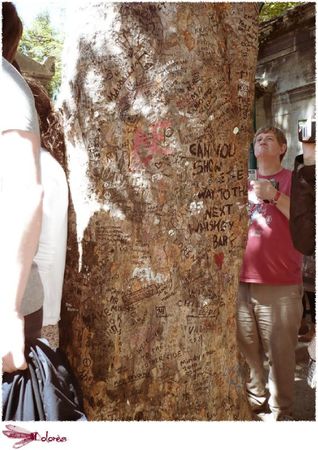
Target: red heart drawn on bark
(218, 259)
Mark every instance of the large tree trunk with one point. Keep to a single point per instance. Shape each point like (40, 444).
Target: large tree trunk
(157, 104)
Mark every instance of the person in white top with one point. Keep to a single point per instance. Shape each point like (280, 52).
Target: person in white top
(21, 196)
(51, 254)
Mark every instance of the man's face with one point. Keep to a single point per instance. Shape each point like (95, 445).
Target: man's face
(267, 147)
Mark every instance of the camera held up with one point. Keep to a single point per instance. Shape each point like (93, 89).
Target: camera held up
(307, 131)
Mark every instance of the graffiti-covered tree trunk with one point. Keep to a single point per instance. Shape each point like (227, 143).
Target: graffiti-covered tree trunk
(157, 104)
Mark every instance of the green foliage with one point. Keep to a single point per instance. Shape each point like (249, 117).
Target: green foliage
(40, 41)
(271, 10)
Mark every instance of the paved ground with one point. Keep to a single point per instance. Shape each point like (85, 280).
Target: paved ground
(304, 395)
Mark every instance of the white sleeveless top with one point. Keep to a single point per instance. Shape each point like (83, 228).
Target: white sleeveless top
(50, 257)
(19, 113)
(45, 281)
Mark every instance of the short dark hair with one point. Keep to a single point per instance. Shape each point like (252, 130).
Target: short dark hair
(12, 30)
(280, 136)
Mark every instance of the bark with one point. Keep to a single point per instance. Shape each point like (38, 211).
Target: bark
(157, 106)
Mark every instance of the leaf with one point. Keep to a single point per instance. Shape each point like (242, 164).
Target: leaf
(271, 10)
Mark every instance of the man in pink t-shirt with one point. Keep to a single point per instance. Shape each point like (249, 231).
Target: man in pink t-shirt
(270, 292)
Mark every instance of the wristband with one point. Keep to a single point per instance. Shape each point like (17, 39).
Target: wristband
(276, 197)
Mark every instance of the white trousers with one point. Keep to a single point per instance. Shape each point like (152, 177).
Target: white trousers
(268, 319)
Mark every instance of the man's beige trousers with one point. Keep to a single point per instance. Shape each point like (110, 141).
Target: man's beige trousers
(268, 319)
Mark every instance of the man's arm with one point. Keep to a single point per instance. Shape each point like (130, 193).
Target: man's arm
(283, 204)
(21, 214)
(302, 207)
(264, 190)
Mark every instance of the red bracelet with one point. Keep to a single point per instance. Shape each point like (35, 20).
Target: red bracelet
(276, 197)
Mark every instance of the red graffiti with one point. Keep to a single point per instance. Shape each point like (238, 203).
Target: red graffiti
(219, 259)
(150, 142)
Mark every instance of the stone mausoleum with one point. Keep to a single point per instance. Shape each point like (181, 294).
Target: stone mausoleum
(285, 76)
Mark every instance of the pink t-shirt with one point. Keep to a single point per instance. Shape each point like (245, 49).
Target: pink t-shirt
(270, 257)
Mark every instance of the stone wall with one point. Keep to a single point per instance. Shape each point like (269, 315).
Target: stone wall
(285, 77)
(36, 71)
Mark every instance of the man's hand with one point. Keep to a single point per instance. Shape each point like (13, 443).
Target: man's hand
(12, 343)
(264, 190)
(309, 151)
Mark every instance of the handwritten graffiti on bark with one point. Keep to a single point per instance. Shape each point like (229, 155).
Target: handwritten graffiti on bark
(149, 142)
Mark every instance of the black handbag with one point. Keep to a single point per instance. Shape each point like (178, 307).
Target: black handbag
(47, 390)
